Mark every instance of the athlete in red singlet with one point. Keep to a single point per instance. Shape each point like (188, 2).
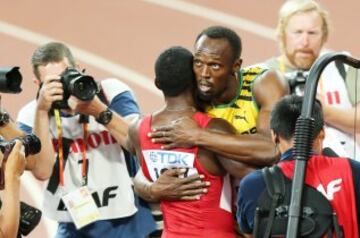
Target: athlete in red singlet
(208, 217)
(211, 215)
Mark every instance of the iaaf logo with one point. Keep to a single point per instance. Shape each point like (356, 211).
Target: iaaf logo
(333, 187)
(169, 157)
(94, 140)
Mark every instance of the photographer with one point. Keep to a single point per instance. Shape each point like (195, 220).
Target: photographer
(82, 131)
(10, 209)
(303, 29)
(9, 131)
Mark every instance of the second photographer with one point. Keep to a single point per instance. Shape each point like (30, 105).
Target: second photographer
(10, 197)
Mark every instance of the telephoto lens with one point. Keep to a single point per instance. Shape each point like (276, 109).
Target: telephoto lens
(10, 80)
(31, 143)
(75, 83)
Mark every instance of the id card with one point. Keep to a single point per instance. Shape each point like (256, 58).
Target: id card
(82, 207)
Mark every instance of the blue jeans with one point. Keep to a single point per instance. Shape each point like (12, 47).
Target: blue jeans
(139, 225)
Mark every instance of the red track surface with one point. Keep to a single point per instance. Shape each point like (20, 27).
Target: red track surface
(131, 33)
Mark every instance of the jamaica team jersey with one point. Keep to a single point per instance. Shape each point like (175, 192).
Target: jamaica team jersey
(242, 111)
(208, 217)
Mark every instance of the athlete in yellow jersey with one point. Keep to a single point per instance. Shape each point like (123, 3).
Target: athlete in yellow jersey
(242, 112)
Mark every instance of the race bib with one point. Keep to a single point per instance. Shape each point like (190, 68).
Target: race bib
(158, 161)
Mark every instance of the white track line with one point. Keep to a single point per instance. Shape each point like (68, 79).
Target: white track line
(217, 16)
(87, 57)
(125, 73)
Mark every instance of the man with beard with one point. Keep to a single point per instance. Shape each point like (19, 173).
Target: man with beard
(303, 29)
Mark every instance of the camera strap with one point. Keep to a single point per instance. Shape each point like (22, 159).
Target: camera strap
(60, 146)
(84, 168)
(282, 69)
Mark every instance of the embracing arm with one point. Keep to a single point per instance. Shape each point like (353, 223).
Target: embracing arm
(256, 150)
(268, 89)
(171, 185)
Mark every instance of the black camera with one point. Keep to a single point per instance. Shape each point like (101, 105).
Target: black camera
(297, 80)
(29, 218)
(31, 144)
(10, 80)
(78, 84)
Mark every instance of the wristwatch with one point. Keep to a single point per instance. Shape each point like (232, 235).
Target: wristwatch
(105, 117)
(4, 118)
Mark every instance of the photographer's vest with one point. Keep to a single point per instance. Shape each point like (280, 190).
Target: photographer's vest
(335, 184)
(108, 178)
(242, 112)
(332, 87)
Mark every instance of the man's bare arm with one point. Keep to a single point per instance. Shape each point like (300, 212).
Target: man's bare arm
(254, 150)
(169, 186)
(257, 149)
(346, 120)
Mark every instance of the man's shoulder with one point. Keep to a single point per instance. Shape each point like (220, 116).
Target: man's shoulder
(114, 83)
(112, 87)
(271, 63)
(27, 112)
(29, 106)
(252, 182)
(254, 69)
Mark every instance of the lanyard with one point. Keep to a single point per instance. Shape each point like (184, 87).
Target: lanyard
(61, 152)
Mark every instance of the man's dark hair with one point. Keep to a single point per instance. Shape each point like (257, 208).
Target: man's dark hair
(285, 113)
(220, 32)
(51, 52)
(173, 71)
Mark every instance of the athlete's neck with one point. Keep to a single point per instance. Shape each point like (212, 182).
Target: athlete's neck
(180, 103)
(230, 92)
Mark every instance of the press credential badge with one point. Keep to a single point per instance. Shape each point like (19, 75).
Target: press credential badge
(81, 206)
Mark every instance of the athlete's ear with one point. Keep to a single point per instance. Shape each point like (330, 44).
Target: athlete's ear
(318, 141)
(36, 81)
(157, 83)
(274, 137)
(237, 66)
